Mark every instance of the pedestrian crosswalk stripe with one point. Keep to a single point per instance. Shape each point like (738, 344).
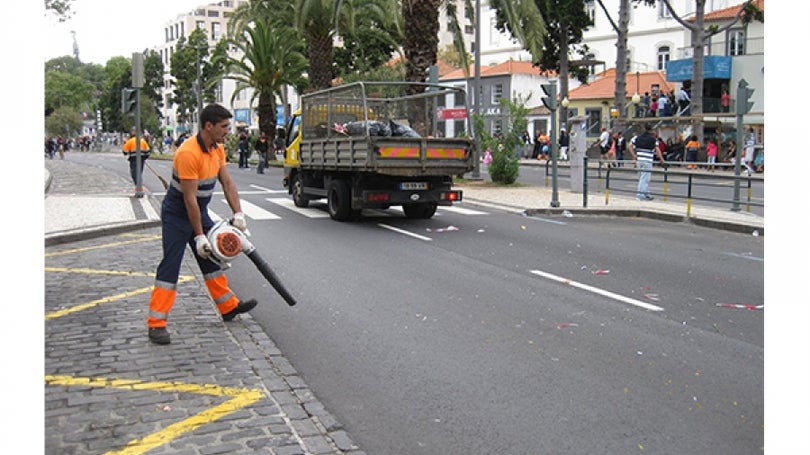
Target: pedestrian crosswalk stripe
(255, 212)
(463, 210)
(309, 212)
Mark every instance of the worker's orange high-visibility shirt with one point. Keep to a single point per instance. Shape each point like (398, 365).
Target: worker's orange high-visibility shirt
(129, 146)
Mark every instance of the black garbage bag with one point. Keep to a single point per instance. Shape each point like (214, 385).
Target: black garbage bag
(398, 129)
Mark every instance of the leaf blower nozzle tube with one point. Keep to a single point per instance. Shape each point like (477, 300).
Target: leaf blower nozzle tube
(271, 277)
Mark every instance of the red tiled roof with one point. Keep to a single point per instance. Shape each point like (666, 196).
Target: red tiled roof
(605, 86)
(507, 67)
(729, 13)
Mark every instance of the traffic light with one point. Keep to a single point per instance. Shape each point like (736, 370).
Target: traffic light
(129, 98)
(550, 98)
(744, 103)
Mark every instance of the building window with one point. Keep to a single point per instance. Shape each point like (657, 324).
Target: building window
(458, 97)
(663, 11)
(459, 128)
(215, 31)
(663, 57)
(594, 121)
(213, 13)
(736, 42)
(496, 127)
(201, 24)
(590, 10)
(497, 94)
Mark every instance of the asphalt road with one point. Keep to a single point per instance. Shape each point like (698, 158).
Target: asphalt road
(487, 332)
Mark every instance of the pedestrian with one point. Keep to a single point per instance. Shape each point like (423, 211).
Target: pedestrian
(683, 101)
(662, 105)
(643, 148)
(692, 149)
(262, 147)
(711, 154)
(731, 154)
(604, 144)
(621, 147)
(725, 100)
(278, 144)
(654, 106)
(185, 220)
(646, 103)
(748, 156)
(564, 140)
(537, 150)
(131, 151)
(526, 140)
(243, 151)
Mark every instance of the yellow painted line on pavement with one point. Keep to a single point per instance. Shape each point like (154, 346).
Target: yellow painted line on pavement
(106, 245)
(101, 301)
(240, 398)
(98, 272)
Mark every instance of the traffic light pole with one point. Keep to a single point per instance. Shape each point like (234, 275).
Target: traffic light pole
(550, 101)
(743, 106)
(137, 83)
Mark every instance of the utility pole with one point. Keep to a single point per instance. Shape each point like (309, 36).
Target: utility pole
(744, 105)
(550, 101)
(137, 84)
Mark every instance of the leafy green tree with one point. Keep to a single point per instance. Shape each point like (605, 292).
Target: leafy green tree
(65, 121)
(188, 55)
(64, 89)
(118, 71)
(368, 47)
(560, 24)
(264, 57)
(505, 166)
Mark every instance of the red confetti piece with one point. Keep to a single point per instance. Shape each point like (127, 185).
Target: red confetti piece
(600, 272)
(740, 306)
(563, 325)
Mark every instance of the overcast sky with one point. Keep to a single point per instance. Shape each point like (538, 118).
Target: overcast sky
(108, 28)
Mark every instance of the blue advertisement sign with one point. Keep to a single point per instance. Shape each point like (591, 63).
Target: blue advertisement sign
(242, 115)
(714, 67)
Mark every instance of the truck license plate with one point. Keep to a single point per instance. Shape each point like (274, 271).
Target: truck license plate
(413, 185)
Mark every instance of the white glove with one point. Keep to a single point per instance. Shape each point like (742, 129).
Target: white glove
(203, 246)
(239, 221)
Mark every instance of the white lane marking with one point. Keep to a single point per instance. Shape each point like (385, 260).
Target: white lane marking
(746, 256)
(255, 212)
(463, 211)
(404, 232)
(266, 190)
(308, 212)
(596, 290)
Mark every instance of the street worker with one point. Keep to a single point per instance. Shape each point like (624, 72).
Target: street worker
(129, 150)
(198, 163)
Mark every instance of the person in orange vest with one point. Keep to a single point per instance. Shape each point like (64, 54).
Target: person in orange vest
(129, 150)
(198, 163)
(692, 149)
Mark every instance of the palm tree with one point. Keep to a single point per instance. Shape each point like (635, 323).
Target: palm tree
(264, 57)
(319, 21)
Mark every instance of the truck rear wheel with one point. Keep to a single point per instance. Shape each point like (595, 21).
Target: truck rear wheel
(339, 200)
(299, 199)
(424, 210)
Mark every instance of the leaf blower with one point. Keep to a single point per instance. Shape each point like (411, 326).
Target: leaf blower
(227, 242)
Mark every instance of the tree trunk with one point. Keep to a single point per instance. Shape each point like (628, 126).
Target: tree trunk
(621, 58)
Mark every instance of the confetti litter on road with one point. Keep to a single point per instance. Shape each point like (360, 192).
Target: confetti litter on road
(447, 229)
(567, 214)
(653, 297)
(740, 306)
(563, 325)
(600, 272)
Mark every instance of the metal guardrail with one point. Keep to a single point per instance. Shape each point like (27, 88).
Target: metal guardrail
(692, 181)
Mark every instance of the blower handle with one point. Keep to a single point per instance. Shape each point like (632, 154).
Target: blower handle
(271, 277)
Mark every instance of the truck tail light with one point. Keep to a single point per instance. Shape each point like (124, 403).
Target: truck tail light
(378, 197)
(450, 196)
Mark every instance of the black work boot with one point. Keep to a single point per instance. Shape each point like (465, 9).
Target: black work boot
(243, 307)
(159, 335)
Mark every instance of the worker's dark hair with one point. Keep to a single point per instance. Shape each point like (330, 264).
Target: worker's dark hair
(214, 113)
(648, 126)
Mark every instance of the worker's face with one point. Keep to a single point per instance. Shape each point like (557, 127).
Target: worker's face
(218, 131)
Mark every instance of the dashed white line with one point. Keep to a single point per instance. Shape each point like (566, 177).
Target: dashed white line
(596, 290)
(404, 232)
